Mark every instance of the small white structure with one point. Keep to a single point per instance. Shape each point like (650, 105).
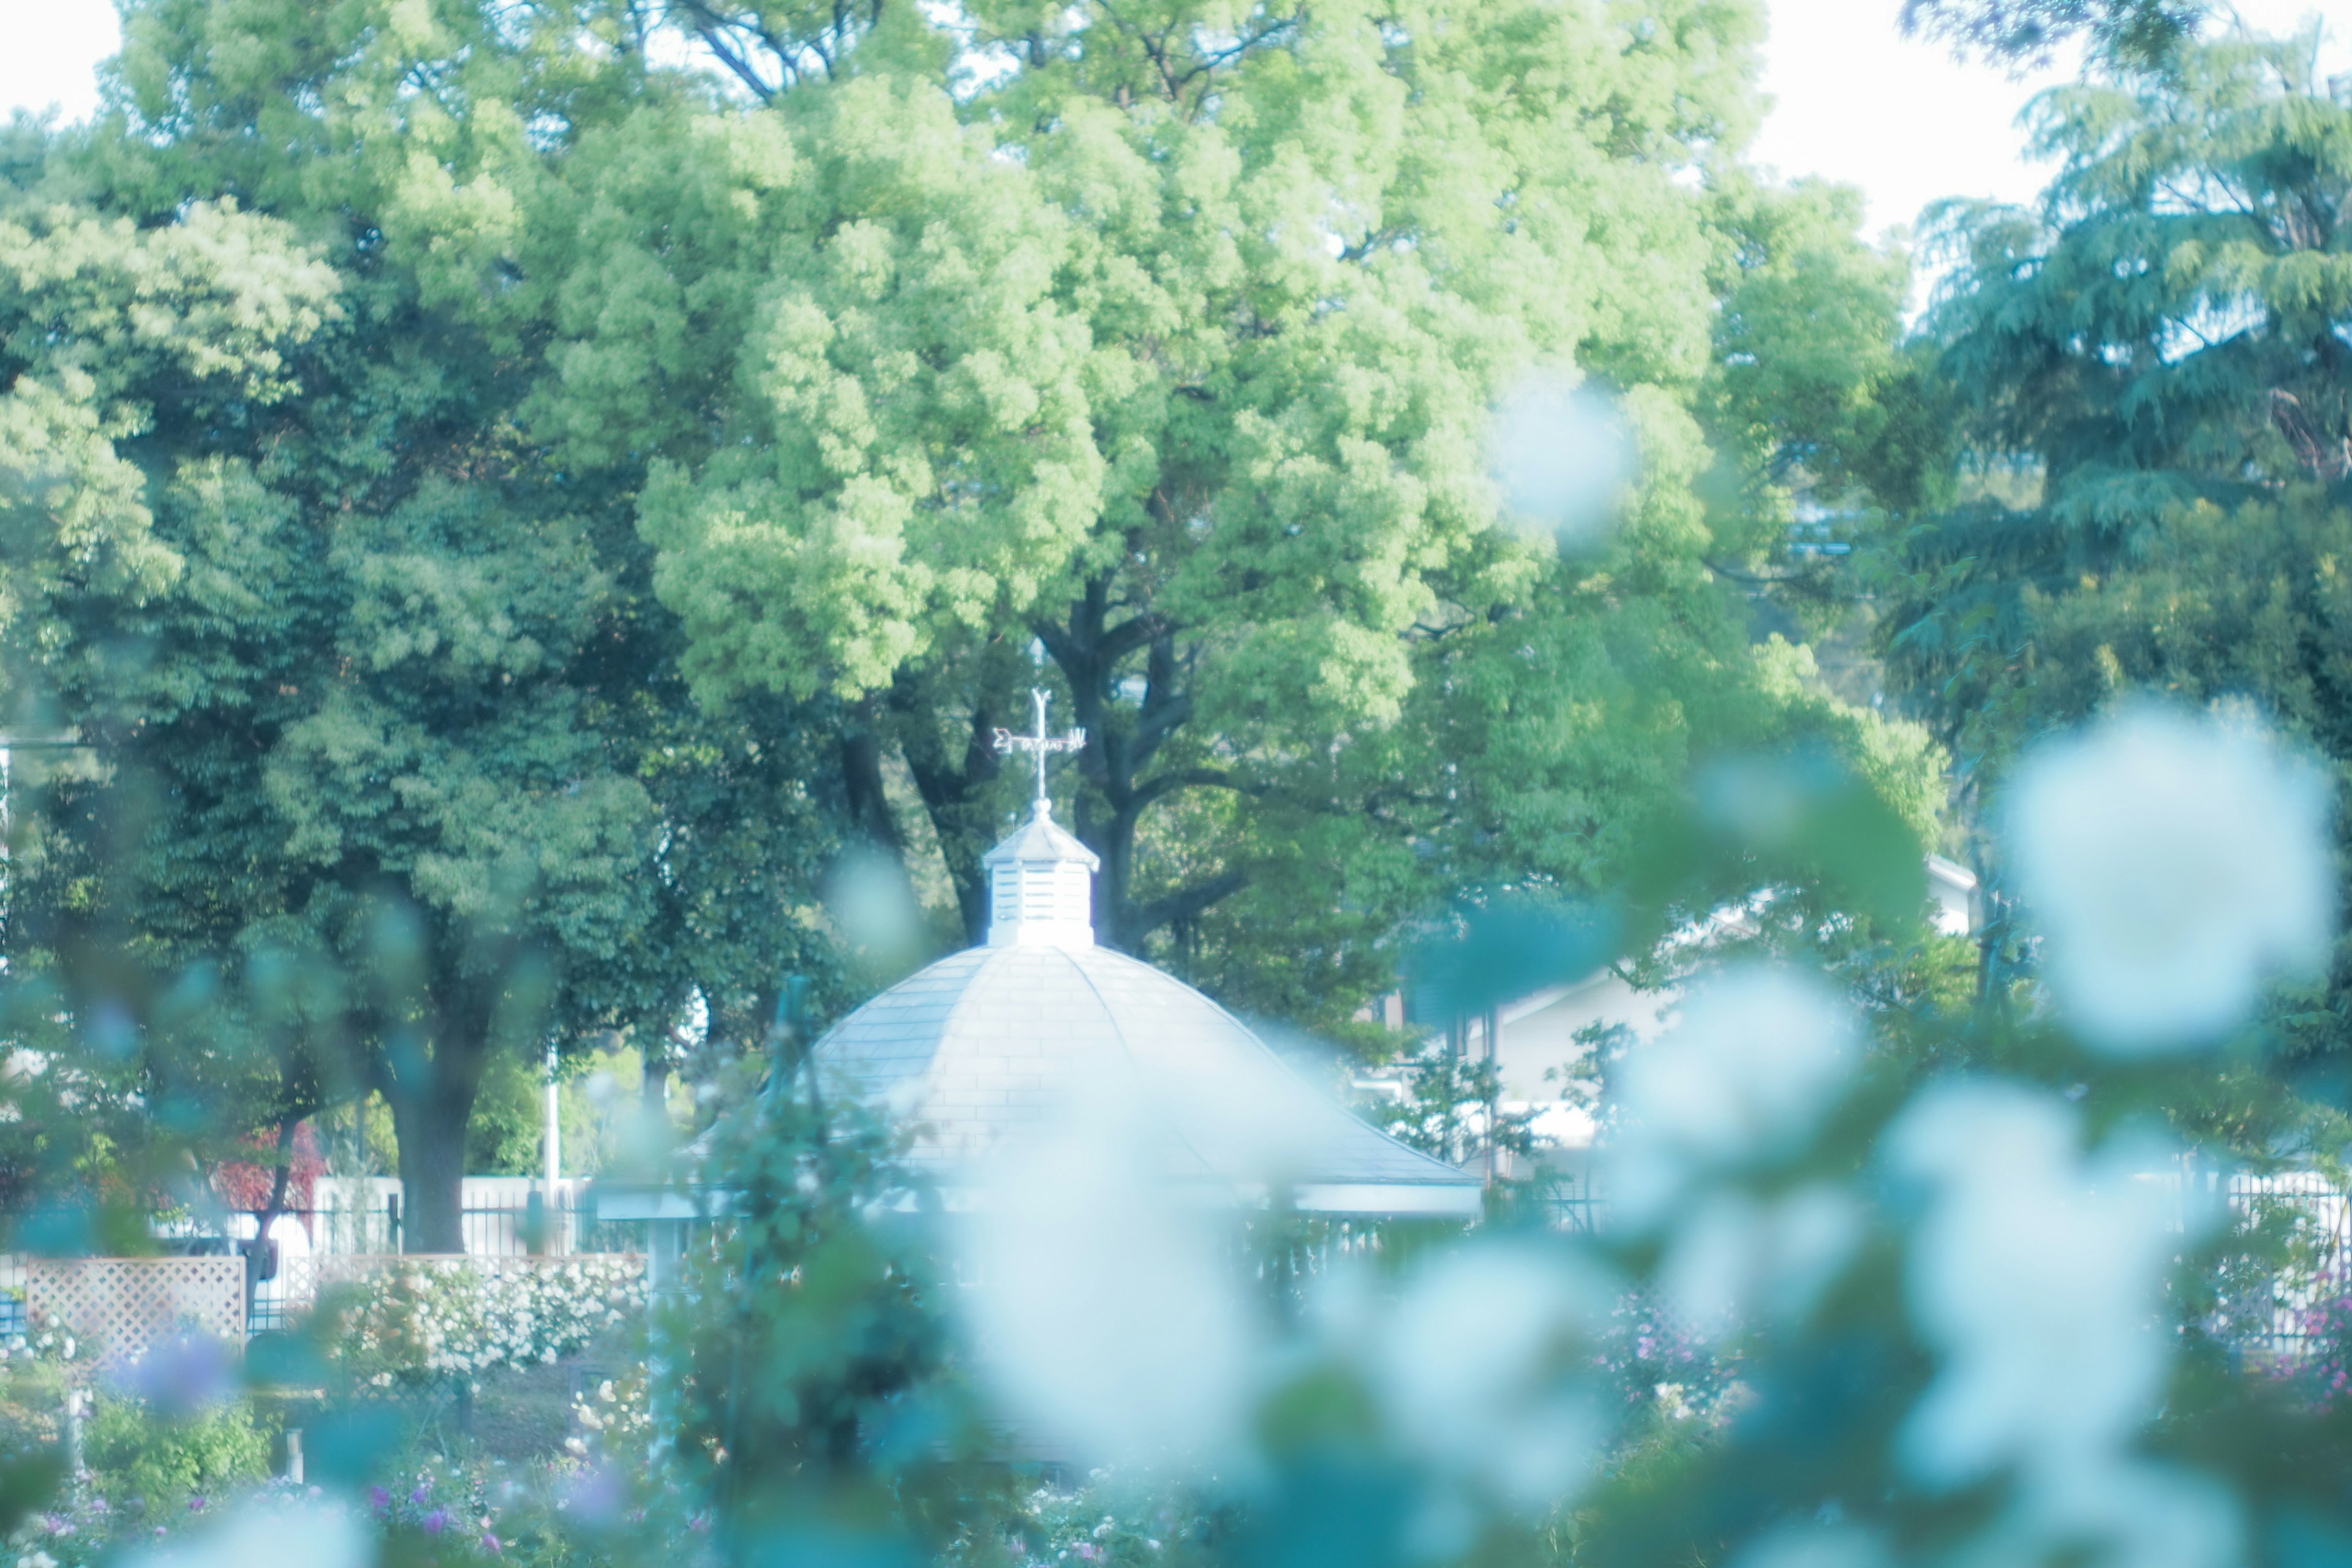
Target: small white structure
(1532, 1040)
(989, 1044)
(992, 1041)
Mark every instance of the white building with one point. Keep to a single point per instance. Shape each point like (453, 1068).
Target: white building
(1533, 1039)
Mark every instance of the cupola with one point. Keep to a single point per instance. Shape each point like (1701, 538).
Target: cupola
(1041, 887)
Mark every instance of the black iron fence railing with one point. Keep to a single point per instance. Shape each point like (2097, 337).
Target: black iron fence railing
(282, 1288)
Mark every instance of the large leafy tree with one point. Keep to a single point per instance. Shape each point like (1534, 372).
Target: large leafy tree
(2149, 377)
(2137, 31)
(1167, 338)
(642, 474)
(369, 691)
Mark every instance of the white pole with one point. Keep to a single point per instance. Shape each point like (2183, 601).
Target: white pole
(554, 1145)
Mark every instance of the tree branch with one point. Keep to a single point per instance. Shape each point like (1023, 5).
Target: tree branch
(1168, 783)
(1186, 902)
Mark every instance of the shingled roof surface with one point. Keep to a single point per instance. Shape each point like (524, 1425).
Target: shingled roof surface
(995, 1039)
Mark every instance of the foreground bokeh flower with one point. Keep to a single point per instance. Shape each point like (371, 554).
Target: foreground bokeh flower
(1758, 1056)
(1479, 1367)
(1101, 1300)
(2174, 865)
(1562, 457)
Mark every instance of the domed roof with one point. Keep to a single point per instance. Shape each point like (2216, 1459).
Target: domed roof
(981, 1045)
(1001, 1038)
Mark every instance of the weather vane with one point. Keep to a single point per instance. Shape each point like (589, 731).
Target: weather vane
(1042, 745)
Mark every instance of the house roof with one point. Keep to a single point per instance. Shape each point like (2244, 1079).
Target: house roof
(994, 1039)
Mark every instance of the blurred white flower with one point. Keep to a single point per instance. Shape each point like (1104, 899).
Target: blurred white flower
(1816, 1546)
(1101, 1303)
(873, 905)
(1759, 1056)
(2034, 1275)
(2173, 864)
(304, 1534)
(2155, 1516)
(1562, 456)
(1735, 1255)
(1480, 1369)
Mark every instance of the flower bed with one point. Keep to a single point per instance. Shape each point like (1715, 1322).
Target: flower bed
(420, 1320)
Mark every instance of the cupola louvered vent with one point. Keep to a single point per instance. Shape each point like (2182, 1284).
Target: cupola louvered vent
(1041, 888)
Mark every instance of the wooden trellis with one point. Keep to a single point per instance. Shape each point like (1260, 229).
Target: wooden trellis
(126, 1306)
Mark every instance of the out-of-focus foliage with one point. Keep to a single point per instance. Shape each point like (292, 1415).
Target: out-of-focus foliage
(2142, 481)
(807, 1393)
(2027, 31)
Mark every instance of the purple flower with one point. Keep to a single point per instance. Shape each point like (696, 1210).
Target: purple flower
(184, 1375)
(489, 1543)
(379, 1499)
(421, 1493)
(195, 1505)
(436, 1521)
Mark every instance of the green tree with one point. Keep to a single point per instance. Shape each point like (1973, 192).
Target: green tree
(2140, 31)
(1169, 339)
(501, 510)
(371, 692)
(2146, 375)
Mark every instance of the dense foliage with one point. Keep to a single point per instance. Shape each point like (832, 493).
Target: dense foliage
(2143, 385)
(519, 522)
(511, 508)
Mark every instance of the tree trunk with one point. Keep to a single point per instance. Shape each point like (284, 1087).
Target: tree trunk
(955, 792)
(861, 783)
(431, 1106)
(1090, 649)
(259, 1263)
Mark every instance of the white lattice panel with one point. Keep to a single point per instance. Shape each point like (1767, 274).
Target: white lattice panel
(127, 1305)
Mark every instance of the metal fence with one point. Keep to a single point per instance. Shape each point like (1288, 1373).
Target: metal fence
(2298, 1224)
(2304, 1220)
(531, 1227)
(515, 1229)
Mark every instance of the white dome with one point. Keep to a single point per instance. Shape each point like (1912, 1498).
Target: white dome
(984, 1044)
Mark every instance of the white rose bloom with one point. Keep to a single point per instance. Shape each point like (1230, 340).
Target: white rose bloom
(1562, 457)
(1105, 1308)
(2173, 864)
(1470, 1368)
(302, 1535)
(1758, 1056)
(2035, 1276)
(1816, 1545)
(1735, 1255)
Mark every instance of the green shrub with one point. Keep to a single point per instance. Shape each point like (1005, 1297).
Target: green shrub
(133, 1452)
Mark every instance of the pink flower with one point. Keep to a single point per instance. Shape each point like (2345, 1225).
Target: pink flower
(489, 1543)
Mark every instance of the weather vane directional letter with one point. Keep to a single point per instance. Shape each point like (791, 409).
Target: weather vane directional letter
(1042, 745)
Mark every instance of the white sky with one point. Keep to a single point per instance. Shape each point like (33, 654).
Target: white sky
(1852, 100)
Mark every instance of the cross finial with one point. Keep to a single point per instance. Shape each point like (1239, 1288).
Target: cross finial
(1042, 745)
